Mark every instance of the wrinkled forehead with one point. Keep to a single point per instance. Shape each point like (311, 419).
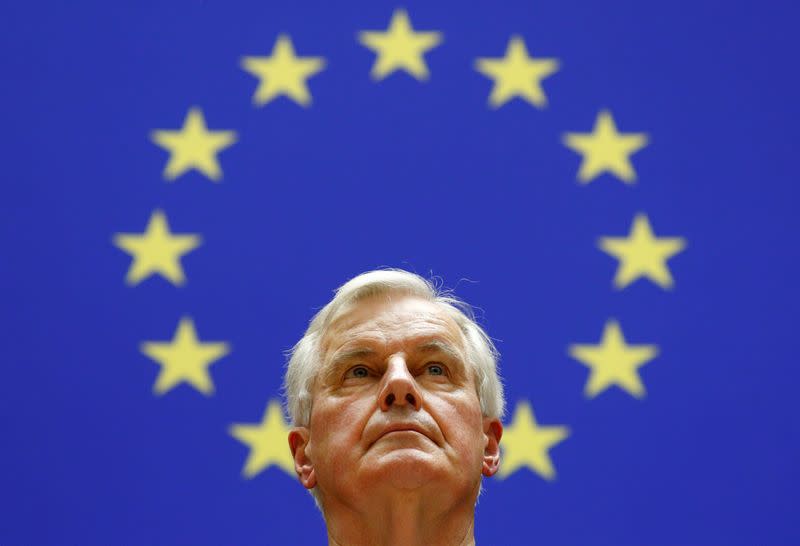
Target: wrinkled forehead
(391, 318)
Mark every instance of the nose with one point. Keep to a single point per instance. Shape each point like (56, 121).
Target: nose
(399, 386)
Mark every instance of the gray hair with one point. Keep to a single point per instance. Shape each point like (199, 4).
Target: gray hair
(305, 357)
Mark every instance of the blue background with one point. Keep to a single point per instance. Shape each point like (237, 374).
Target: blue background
(399, 173)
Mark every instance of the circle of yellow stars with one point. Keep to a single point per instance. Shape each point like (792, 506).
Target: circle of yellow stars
(612, 362)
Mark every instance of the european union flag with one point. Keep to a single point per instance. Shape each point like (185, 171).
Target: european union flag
(611, 184)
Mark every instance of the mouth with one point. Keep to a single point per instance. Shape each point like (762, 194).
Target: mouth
(402, 429)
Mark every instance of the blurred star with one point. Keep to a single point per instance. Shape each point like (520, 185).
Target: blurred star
(525, 443)
(613, 362)
(184, 359)
(641, 254)
(282, 73)
(268, 442)
(606, 150)
(517, 75)
(193, 147)
(400, 47)
(157, 250)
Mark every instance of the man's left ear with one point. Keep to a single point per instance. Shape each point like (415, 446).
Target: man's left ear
(493, 431)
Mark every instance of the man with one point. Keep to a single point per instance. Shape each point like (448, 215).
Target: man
(396, 404)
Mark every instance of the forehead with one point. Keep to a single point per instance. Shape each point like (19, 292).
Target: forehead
(392, 319)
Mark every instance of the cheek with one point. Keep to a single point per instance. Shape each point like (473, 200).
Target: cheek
(336, 426)
(463, 428)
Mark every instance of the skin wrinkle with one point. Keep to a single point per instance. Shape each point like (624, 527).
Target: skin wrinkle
(377, 338)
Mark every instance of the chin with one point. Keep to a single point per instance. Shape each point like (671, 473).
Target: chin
(406, 468)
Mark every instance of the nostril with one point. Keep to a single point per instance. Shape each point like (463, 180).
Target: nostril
(410, 399)
(389, 399)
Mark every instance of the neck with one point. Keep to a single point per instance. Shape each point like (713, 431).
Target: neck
(405, 519)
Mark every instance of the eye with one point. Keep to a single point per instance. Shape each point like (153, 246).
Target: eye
(358, 372)
(435, 369)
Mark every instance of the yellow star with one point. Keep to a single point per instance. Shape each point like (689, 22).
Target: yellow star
(606, 150)
(184, 359)
(193, 147)
(612, 362)
(517, 75)
(157, 250)
(268, 442)
(282, 73)
(642, 255)
(400, 47)
(525, 443)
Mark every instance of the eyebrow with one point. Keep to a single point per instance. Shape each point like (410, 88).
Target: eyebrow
(436, 346)
(432, 346)
(351, 354)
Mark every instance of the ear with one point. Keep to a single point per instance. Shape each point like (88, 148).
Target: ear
(298, 441)
(493, 431)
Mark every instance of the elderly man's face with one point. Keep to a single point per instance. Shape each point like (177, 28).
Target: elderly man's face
(396, 405)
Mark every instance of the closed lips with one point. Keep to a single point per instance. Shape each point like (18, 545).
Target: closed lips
(402, 428)
(381, 424)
